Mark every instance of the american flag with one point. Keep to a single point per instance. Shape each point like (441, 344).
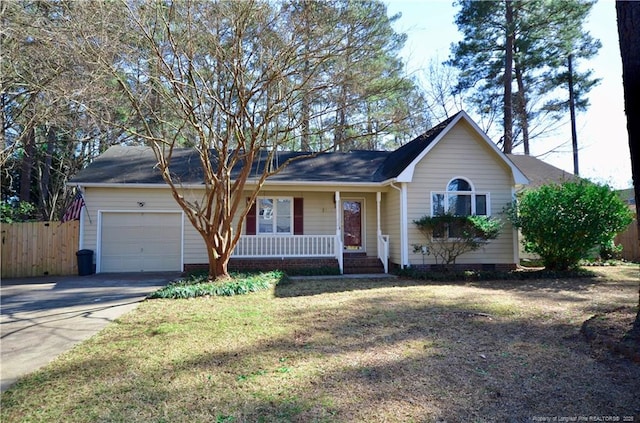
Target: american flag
(74, 209)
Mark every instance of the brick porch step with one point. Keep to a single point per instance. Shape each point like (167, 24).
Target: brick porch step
(362, 264)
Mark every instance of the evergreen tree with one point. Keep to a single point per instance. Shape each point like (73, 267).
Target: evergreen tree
(571, 43)
(372, 97)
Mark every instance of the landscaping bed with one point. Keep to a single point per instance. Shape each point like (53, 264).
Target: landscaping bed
(345, 350)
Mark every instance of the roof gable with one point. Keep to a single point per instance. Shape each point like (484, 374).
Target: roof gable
(440, 131)
(398, 161)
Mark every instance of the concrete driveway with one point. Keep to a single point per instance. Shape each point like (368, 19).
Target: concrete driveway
(43, 317)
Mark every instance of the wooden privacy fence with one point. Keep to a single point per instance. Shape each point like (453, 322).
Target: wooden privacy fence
(39, 248)
(629, 241)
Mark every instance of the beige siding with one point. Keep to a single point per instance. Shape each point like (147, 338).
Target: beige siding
(462, 154)
(319, 214)
(319, 219)
(319, 210)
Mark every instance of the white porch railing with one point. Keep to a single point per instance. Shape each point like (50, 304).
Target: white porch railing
(254, 246)
(287, 246)
(383, 251)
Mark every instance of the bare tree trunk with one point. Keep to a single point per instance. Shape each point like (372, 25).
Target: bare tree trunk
(341, 120)
(507, 145)
(218, 264)
(45, 179)
(304, 138)
(305, 108)
(628, 13)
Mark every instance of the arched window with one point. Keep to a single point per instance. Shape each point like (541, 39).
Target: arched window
(460, 199)
(459, 184)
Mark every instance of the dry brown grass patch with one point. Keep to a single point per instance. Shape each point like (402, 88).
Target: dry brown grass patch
(343, 351)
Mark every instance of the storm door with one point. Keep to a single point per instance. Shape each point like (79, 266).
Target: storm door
(352, 224)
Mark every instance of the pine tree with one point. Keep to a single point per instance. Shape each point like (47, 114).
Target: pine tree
(520, 41)
(571, 43)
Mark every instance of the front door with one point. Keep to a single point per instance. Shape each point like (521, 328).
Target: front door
(352, 224)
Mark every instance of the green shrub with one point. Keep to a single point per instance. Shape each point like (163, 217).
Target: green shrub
(448, 236)
(19, 211)
(198, 285)
(561, 223)
(610, 251)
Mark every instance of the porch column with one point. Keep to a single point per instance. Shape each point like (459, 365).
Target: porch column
(378, 199)
(338, 206)
(404, 225)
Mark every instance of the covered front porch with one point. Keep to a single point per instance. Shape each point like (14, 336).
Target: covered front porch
(353, 243)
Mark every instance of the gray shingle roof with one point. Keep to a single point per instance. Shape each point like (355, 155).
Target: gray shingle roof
(137, 164)
(540, 173)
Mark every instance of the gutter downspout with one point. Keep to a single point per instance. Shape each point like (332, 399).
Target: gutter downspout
(404, 253)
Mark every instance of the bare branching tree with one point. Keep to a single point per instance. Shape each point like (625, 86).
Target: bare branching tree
(226, 79)
(440, 81)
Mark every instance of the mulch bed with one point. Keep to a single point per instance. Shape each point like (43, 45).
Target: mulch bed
(609, 335)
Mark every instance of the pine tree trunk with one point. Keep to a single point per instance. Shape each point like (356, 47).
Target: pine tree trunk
(572, 110)
(507, 145)
(340, 131)
(628, 13)
(522, 109)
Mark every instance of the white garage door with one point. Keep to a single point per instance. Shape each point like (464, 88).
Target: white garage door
(140, 242)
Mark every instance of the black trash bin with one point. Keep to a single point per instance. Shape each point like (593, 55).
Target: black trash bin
(85, 262)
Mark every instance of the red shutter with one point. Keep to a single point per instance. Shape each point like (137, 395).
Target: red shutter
(298, 218)
(250, 227)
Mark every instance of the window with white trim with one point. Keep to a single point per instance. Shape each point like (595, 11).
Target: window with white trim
(459, 199)
(274, 215)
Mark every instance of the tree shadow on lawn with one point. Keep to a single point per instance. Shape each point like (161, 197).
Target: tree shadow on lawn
(310, 287)
(373, 358)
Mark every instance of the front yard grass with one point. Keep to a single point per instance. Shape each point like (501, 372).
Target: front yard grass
(349, 350)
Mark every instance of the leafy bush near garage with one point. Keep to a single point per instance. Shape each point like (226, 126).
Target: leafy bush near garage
(199, 285)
